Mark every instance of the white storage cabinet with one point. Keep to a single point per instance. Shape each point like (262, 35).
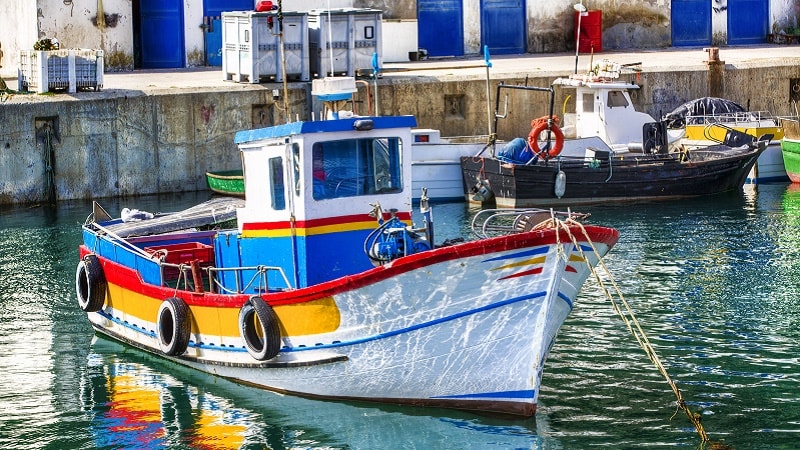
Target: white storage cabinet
(344, 41)
(251, 46)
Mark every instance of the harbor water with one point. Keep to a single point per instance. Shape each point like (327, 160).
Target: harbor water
(714, 282)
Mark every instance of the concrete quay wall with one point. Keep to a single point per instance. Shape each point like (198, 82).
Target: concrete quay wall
(89, 146)
(122, 146)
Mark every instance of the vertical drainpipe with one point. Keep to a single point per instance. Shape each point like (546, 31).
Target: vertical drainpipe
(716, 73)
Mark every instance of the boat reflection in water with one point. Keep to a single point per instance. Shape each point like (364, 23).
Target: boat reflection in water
(139, 402)
(136, 406)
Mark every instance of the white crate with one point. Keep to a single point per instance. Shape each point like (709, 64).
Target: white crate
(343, 41)
(251, 46)
(41, 71)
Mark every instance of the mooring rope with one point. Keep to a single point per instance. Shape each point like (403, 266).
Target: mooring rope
(47, 157)
(619, 304)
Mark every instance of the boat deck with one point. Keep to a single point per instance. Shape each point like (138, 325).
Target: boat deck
(210, 213)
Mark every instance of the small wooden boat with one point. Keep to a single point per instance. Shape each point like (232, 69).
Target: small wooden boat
(227, 182)
(558, 171)
(790, 148)
(323, 288)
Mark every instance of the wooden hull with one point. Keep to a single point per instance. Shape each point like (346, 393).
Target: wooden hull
(790, 148)
(229, 182)
(769, 166)
(467, 326)
(709, 171)
(791, 158)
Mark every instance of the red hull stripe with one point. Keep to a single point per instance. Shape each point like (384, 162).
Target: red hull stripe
(130, 279)
(314, 223)
(535, 271)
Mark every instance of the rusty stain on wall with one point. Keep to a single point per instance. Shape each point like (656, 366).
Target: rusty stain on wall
(111, 20)
(206, 112)
(635, 15)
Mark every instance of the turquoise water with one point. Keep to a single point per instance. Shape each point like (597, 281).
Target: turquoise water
(713, 281)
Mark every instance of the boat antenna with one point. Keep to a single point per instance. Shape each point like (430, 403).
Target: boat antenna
(330, 36)
(488, 95)
(581, 11)
(283, 63)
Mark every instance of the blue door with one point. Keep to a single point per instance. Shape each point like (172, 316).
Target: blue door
(161, 33)
(212, 11)
(747, 22)
(441, 27)
(691, 23)
(503, 26)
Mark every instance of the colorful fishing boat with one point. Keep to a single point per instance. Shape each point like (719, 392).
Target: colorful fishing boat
(790, 148)
(324, 288)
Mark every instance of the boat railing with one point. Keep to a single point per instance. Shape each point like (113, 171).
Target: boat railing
(748, 118)
(210, 278)
(497, 222)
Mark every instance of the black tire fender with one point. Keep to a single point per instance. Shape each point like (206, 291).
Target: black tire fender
(90, 284)
(173, 326)
(260, 329)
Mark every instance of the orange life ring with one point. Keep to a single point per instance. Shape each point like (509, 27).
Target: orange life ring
(537, 127)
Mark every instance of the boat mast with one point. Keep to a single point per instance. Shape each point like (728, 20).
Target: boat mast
(283, 64)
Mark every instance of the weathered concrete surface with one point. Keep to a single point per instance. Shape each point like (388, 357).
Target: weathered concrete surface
(120, 146)
(160, 131)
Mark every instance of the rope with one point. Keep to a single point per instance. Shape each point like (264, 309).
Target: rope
(619, 304)
(47, 156)
(5, 92)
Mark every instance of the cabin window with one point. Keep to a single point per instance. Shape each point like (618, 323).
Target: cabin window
(354, 167)
(276, 184)
(296, 167)
(617, 98)
(588, 103)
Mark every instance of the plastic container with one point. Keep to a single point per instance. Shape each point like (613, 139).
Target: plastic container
(251, 46)
(265, 5)
(343, 41)
(42, 71)
(591, 31)
(184, 253)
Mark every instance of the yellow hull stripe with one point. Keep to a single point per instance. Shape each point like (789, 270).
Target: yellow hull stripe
(301, 319)
(526, 262)
(715, 132)
(311, 231)
(537, 260)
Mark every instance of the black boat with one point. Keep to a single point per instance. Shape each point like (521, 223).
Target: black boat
(530, 172)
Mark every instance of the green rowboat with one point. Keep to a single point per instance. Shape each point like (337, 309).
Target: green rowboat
(790, 148)
(227, 182)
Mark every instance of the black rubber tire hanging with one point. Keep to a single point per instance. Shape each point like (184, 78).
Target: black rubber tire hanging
(173, 326)
(90, 284)
(260, 329)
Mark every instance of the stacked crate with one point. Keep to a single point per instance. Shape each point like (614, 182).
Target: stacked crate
(42, 71)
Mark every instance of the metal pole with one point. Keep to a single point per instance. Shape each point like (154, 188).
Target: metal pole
(580, 9)
(283, 64)
(488, 92)
(375, 69)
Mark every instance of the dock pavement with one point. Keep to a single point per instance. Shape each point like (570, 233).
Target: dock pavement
(166, 81)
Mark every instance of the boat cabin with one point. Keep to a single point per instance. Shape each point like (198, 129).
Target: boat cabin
(309, 191)
(604, 109)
